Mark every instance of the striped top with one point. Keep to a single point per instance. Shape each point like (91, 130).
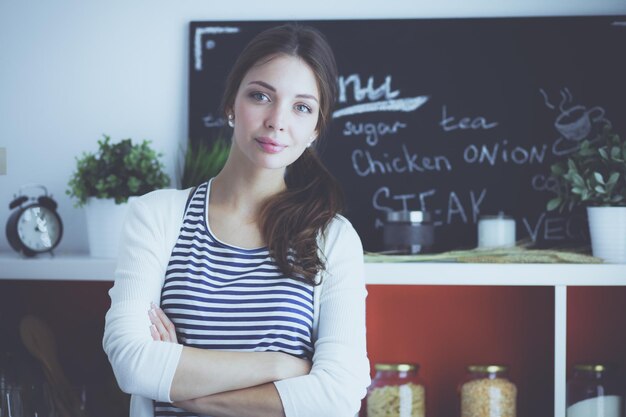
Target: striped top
(224, 297)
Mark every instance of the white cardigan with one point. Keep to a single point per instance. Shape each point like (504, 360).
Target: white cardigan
(145, 368)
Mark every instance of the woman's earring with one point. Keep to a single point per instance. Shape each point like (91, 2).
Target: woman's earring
(231, 120)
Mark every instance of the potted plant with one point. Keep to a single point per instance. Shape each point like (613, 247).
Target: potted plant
(103, 182)
(203, 161)
(595, 176)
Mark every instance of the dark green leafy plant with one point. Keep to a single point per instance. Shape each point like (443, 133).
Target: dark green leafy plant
(203, 161)
(117, 171)
(595, 175)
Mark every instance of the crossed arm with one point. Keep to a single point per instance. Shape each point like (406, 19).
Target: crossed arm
(225, 397)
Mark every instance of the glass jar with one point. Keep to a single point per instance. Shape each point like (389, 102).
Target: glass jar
(408, 232)
(396, 391)
(594, 390)
(11, 404)
(487, 391)
(10, 389)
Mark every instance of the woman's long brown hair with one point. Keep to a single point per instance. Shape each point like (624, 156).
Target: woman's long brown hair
(291, 220)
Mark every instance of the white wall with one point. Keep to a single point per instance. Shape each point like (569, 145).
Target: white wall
(71, 70)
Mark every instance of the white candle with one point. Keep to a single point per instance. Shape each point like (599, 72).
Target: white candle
(605, 406)
(496, 231)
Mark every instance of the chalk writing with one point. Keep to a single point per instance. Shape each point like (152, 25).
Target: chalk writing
(541, 182)
(389, 100)
(211, 121)
(372, 130)
(454, 209)
(499, 151)
(554, 228)
(364, 163)
(401, 104)
(448, 124)
(369, 91)
(197, 41)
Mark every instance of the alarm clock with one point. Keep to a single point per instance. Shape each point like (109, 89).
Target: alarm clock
(35, 226)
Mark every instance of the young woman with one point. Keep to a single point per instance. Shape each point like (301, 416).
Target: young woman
(258, 278)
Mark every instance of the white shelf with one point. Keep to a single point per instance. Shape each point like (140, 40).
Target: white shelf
(85, 268)
(560, 276)
(61, 267)
(495, 274)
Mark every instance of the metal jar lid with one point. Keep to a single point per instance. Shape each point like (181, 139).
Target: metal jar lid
(399, 367)
(405, 216)
(592, 367)
(492, 369)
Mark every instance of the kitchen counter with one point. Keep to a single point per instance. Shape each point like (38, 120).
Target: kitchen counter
(72, 266)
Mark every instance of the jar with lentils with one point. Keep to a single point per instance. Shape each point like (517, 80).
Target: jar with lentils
(487, 391)
(396, 391)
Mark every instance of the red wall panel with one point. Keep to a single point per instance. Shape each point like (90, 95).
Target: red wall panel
(596, 326)
(446, 328)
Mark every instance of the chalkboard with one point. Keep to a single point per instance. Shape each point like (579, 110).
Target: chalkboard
(460, 117)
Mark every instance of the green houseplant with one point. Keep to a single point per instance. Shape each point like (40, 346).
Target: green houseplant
(117, 171)
(203, 161)
(595, 176)
(104, 182)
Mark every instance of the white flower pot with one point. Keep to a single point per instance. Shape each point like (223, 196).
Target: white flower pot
(607, 228)
(104, 226)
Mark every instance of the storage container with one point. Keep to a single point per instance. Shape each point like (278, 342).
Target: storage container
(408, 232)
(594, 390)
(487, 391)
(396, 391)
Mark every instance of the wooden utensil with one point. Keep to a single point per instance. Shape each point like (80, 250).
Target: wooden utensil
(40, 342)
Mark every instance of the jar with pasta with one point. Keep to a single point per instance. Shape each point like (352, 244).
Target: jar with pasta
(487, 391)
(396, 391)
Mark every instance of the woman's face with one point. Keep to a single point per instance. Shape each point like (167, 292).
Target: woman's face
(276, 111)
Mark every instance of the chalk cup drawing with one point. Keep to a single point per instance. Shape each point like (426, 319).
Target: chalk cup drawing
(574, 123)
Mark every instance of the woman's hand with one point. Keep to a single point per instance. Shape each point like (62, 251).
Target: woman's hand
(162, 328)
